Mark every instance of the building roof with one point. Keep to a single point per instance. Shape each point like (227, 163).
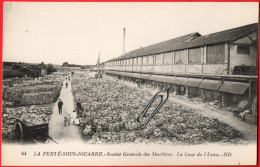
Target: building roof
(219, 37)
(26, 70)
(198, 41)
(42, 66)
(35, 68)
(159, 47)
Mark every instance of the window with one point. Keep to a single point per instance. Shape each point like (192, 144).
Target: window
(159, 59)
(243, 49)
(179, 57)
(131, 62)
(135, 62)
(215, 54)
(139, 61)
(167, 60)
(150, 60)
(145, 60)
(195, 56)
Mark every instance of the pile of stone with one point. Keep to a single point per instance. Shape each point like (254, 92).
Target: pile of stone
(22, 94)
(39, 98)
(110, 111)
(31, 116)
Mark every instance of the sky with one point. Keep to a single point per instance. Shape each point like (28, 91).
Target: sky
(76, 32)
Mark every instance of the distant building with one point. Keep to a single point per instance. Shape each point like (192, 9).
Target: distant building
(7, 68)
(67, 69)
(28, 72)
(43, 69)
(36, 70)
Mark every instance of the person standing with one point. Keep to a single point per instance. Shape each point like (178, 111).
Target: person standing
(65, 120)
(66, 84)
(60, 103)
(79, 107)
(69, 119)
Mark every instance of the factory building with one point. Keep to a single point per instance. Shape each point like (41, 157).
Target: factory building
(220, 66)
(218, 53)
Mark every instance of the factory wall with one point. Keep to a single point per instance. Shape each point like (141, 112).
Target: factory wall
(242, 55)
(195, 60)
(210, 59)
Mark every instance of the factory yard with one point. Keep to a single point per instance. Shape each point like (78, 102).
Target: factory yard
(110, 107)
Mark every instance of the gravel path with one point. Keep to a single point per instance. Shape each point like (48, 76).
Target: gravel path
(57, 130)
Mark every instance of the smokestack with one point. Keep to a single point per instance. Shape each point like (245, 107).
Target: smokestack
(124, 41)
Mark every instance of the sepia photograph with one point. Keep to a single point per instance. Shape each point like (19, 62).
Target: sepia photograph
(129, 83)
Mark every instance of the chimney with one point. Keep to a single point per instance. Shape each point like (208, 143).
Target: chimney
(124, 41)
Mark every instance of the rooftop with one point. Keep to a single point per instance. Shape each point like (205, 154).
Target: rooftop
(191, 41)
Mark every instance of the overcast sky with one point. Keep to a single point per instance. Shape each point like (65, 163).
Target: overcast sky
(77, 32)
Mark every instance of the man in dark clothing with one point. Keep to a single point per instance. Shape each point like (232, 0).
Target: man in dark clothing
(60, 103)
(79, 107)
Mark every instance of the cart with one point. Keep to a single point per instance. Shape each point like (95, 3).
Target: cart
(36, 133)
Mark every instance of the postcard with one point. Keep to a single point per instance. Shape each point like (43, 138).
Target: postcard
(129, 83)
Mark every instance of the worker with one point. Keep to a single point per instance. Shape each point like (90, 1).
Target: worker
(60, 103)
(74, 117)
(79, 107)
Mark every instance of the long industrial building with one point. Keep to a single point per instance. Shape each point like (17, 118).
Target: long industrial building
(220, 66)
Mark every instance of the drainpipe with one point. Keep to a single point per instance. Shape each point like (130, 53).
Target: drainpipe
(228, 68)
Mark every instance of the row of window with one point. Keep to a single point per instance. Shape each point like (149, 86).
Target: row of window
(214, 55)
